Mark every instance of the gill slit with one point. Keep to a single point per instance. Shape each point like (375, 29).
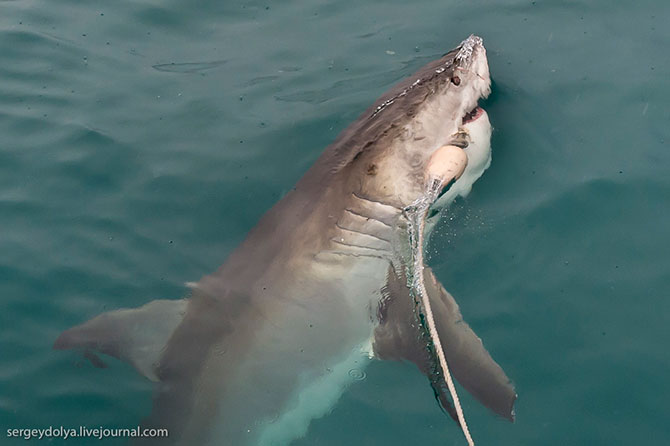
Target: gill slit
(366, 217)
(351, 245)
(397, 209)
(356, 254)
(362, 233)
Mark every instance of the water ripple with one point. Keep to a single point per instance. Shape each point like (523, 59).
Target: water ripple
(189, 67)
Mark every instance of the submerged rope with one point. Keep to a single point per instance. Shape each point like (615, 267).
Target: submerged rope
(418, 212)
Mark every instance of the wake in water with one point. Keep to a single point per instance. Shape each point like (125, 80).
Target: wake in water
(443, 167)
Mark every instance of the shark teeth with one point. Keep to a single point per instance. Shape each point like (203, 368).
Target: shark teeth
(473, 114)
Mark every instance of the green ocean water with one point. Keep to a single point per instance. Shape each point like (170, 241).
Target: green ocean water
(140, 141)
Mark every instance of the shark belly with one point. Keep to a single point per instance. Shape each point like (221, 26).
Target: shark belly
(304, 354)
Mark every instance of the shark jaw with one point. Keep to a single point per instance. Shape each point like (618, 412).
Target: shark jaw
(478, 150)
(453, 103)
(452, 115)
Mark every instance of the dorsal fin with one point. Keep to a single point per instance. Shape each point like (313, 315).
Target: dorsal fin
(136, 336)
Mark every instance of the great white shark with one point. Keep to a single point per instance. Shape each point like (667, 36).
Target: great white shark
(319, 287)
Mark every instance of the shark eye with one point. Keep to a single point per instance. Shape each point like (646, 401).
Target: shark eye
(456, 80)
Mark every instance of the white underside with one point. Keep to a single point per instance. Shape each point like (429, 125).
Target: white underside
(317, 367)
(316, 399)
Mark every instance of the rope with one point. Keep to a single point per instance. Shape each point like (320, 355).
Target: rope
(419, 285)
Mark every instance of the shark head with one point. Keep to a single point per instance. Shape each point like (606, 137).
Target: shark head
(390, 145)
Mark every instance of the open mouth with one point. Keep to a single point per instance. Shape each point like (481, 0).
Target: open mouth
(473, 115)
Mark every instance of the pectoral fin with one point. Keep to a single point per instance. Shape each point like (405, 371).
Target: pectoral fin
(401, 336)
(137, 336)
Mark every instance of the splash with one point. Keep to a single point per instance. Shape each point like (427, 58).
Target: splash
(468, 46)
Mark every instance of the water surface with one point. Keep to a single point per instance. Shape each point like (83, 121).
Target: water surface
(140, 141)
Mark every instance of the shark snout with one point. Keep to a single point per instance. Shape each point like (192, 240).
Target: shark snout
(471, 62)
(468, 49)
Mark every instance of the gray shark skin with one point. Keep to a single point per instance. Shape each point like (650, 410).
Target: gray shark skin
(317, 289)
